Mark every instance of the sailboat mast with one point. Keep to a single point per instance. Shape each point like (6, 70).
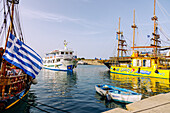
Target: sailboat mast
(118, 33)
(134, 26)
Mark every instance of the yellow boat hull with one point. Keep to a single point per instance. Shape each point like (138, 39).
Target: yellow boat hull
(146, 72)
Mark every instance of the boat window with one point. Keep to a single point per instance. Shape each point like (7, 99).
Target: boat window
(66, 53)
(139, 63)
(134, 62)
(67, 59)
(62, 53)
(57, 53)
(148, 63)
(57, 60)
(71, 53)
(53, 61)
(144, 63)
(49, 61)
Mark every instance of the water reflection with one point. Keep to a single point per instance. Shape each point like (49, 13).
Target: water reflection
(145, 85)
(59, 82)
(76, 93)
(109, 104)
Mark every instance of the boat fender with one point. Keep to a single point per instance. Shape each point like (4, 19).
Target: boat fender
(139, 70)
(156, 71)
(34, 81)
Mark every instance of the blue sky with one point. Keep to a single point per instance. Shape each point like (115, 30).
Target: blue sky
(89, 25)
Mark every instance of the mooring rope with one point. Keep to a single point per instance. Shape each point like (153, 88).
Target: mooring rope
(46, 106)
(53, 107)
(35, 106)
(29, 104)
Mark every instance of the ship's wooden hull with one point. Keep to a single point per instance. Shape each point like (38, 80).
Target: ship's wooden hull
(12, 101)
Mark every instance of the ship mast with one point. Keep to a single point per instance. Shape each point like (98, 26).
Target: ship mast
(155, 35)
(134, 26)
(118, 33)
(120, 42)
(9, 30)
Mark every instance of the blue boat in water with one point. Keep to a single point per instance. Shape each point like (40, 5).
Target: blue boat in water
(118, 94)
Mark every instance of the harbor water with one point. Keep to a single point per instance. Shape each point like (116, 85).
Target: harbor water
(76, 93)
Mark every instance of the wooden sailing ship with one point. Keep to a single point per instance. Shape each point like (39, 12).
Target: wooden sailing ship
(144, 64)
(15, 81)
(121, 51)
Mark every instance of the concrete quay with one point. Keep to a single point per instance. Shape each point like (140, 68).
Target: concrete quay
(156, 104)
(92, 62)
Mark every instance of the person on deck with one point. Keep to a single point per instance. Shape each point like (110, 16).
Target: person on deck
(13, 70)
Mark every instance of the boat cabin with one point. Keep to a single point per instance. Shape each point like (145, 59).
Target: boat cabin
(149, 61)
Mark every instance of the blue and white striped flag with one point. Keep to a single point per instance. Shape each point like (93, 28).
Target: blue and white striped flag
(22, 56)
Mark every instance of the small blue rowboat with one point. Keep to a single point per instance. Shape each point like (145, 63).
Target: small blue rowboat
(118, 94)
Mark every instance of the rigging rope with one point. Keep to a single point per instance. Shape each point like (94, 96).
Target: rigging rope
(163, 32)
(1, 9)
(18, 24)
(164, 41)
(164, 11)
(11, 19)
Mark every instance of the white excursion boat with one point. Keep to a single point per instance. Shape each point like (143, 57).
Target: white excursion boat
(60, 60)
(118, 94)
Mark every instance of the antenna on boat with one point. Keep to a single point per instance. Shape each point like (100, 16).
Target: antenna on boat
(65, 44)
(155, 35)
(134, 26)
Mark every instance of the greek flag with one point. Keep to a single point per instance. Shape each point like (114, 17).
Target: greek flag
(22, 56)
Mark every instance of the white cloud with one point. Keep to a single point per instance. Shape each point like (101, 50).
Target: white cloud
(47, 16)
(52, 17)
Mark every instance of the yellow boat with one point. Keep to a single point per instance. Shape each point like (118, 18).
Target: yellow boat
(143, 66)
(148, 64)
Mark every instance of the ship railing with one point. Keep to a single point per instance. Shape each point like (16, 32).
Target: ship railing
(11, 85)
(115, 60)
